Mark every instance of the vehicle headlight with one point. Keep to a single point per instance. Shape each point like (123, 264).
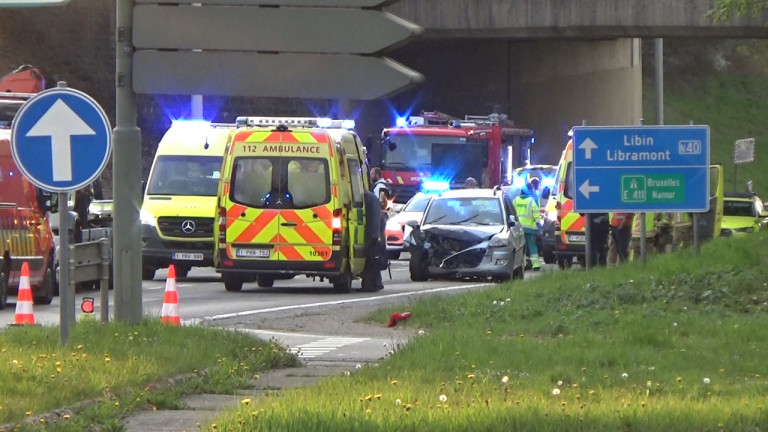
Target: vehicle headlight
(146, 218)
(746, 230)
(552, 215)
(499, 240)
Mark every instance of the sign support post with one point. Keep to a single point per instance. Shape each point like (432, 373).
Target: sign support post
(127, 176)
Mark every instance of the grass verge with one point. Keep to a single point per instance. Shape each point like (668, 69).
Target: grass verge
(114, 366)
(676, 345)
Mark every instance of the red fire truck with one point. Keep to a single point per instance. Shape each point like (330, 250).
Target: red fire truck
(434, 151)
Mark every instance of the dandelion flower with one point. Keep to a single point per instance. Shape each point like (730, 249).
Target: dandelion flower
(398, 402)
(624, 375)
(421, 332)
(368, 412)
(443, 398)
(555, 391)
(358, 366)
(505, 379)
(507, 300)
(346, 373)
(706, 381)
(495, 302)
(245, 401)
(679, 379)
(394, 382)
(559, 383)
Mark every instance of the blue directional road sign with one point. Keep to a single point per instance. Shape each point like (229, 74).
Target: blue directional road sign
(61, 139)
(642, 168)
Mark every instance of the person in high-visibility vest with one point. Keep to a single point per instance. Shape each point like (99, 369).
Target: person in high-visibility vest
(527, 208)
(682, 230)
(650, 235)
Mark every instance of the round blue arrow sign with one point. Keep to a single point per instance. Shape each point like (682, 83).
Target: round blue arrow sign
(61, 139)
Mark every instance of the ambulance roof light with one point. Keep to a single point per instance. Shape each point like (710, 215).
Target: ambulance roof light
(321, 122)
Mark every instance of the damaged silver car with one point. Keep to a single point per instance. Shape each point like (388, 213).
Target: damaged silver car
(467, 234)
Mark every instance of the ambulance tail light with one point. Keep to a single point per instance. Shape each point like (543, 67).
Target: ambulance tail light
(336, 227)
(222, 225)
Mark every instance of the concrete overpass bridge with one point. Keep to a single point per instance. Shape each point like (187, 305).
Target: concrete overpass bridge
(549, 64)
(572, 19)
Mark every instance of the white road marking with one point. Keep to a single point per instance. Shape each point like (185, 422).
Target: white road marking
(340, 302)
(312, 349)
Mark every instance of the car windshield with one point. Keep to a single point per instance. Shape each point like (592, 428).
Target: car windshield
(465, 211)
(739, 208)
(185, 175)
(418, 203)
(415, 151)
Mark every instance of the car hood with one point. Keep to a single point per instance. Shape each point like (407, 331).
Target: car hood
(738, 222)
(465, 233)
(404, 216)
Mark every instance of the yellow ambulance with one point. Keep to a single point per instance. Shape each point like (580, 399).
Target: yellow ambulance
(290, 202)
(179, 207)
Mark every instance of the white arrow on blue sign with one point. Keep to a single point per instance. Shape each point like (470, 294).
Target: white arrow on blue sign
(61, 139)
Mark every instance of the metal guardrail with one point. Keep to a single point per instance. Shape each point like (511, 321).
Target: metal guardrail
(92, 261)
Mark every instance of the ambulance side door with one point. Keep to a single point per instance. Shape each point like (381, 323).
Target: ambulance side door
(356, 215)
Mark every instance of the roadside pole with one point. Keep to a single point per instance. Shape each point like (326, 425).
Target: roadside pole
(126, 166)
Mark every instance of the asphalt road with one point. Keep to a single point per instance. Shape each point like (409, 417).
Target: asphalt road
(303, 314)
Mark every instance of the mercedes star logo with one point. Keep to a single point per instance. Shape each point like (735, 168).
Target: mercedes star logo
(188, 226)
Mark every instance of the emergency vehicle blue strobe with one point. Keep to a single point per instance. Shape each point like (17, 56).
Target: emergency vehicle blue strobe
(641, 168)
(61, 139)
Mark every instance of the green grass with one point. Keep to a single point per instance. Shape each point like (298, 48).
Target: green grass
(734, 107)
(677, 345)
(115, 366)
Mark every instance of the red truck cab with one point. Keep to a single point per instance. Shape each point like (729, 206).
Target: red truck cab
(25, 231)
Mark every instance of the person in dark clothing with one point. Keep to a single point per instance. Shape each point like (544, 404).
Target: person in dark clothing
(599, 231)
(375, 249)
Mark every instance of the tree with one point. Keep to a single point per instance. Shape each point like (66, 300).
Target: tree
(725, 9)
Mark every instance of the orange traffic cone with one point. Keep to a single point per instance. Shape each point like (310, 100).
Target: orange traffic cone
(170, 313)
(24, 313)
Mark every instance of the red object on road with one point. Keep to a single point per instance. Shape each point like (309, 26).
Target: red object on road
(398, 316)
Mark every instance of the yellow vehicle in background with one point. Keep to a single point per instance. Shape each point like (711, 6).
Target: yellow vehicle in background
(743, 213)
(179, 206)
(290, 202)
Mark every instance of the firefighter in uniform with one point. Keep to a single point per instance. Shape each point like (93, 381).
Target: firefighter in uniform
(527, 208)
(650, 235)
(682, 230)
(621, 234)
(663, 232)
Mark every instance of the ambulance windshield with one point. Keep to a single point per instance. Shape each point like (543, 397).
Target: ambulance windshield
(280, 182)
(185, 175)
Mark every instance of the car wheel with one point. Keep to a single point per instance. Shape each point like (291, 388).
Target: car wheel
(393, 255)
(3, 288)
(147, 273)
(548, 255)
(182, 271)
(343, 283)
(518, 273)
(265, 281)
(418, 266)
(232, 283)
(45, 291)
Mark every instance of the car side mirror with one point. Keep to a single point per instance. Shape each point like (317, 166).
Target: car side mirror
(512, 220)
(412, 223)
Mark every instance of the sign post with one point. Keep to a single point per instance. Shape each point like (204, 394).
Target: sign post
(61, 141)
(743, 152)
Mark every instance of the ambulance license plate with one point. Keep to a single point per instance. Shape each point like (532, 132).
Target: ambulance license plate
(253, 253)
(188, 256)
(576, 238)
